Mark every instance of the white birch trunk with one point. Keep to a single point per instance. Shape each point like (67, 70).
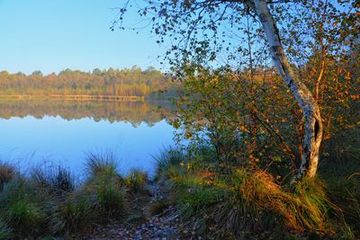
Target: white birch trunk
(313, 129)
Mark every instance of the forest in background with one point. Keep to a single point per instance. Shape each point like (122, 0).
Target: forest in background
(133, 82)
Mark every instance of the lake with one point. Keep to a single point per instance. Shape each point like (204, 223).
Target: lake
(41, 133)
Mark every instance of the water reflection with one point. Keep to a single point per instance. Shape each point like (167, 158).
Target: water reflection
(134, 112)
(34, 132)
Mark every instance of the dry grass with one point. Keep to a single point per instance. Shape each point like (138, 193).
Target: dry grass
(246, 200)
(304, 209)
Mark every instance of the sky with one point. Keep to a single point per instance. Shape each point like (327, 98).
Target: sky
(52, 35)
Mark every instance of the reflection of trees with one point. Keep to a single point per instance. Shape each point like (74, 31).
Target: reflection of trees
(133, 112)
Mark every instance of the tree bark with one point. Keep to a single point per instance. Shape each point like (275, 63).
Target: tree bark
(318, 80)
(313, 129)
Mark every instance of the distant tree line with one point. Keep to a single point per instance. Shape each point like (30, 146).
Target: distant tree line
(113, 82)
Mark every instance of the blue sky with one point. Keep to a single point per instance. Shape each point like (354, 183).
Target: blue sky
(51, 35)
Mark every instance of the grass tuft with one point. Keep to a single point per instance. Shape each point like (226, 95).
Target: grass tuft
(22, 207)
(55, 180)
(47, 202)
(101, 163)
(303, 210)
(243, 200)
(106, 185)
(77, 214)
(136, 181)
(169, 159)
(7, 173)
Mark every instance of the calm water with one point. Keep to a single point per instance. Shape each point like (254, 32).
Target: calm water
(34, 133)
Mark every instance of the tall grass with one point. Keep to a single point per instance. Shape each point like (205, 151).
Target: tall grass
(23, 207)
(100, 164)
(340, 168)
(343, 181)
(136, 181)
(76, 214)
(244, 200)
(168, 159)
(7, 173)
(57, 180)
(304, 209)
(106, 185)
(48, 201)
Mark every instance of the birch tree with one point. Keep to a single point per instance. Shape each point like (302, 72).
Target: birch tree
(203, 31)
(303, 96)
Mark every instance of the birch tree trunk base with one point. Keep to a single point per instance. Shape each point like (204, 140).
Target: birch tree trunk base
(311, 145)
